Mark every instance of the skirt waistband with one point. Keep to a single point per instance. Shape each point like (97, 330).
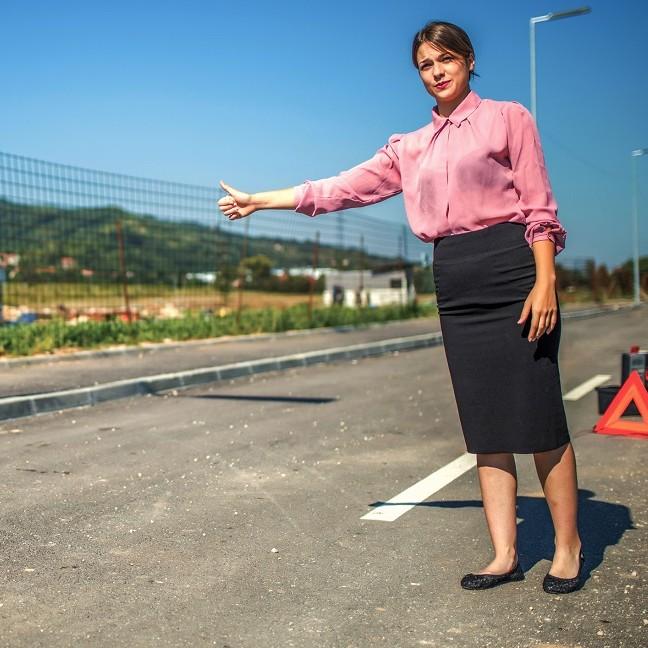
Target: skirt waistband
(490, 238)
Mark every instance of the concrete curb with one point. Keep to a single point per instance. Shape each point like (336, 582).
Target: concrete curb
(594, 312)
(20, 406)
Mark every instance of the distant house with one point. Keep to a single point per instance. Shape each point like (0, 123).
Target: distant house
(307, 271)
(9, 259)
(369, 288)
(204, 277)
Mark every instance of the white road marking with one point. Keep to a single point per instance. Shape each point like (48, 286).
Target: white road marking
(410, 497)
(586, 387)
(419, 492)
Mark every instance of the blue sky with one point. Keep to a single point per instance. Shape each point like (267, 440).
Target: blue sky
(267, 94)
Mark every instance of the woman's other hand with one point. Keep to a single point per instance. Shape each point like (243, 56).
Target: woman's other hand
(237, 204)
(543, 305)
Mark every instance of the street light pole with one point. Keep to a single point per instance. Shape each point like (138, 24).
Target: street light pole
(635, 220)
(555, 15)
(532, 24)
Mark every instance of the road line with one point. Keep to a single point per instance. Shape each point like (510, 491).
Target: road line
(410, 497)
(419, 492)
(586, 387)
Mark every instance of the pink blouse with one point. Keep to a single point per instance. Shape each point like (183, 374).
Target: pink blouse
(480, 166)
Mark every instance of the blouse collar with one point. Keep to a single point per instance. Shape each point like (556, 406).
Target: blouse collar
(465, 108)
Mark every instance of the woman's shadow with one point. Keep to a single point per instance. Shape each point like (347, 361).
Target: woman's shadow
(600, 524)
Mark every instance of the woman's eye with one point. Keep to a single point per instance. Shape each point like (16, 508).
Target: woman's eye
(447, 59)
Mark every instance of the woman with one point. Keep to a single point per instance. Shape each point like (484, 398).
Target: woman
(475, 185)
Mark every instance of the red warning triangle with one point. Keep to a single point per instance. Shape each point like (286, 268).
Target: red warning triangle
(632, 390)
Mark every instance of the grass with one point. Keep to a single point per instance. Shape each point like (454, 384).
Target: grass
(57, 335)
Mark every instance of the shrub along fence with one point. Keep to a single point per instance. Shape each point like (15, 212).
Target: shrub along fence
(44, 337)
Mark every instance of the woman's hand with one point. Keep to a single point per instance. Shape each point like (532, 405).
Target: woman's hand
(237, 204)
(542, 303)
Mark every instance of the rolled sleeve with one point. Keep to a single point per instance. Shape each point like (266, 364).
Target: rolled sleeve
(367, 183)
(530, 178)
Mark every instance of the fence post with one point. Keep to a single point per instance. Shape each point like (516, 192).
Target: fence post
(122, 267)
(241, 272)
(362, 260)
(3, 276)
(404, 270)
(400, 264)
(312, 277)
(340, 236)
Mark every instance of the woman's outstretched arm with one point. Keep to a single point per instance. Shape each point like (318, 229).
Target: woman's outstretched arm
(365, 184)
(239, 204)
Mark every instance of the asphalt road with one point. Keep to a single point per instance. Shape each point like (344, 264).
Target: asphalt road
(230, 516)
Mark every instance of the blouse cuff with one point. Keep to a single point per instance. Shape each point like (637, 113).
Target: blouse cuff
(547, 230)
(303, 204)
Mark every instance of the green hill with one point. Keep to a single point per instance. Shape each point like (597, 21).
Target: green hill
(58, 244)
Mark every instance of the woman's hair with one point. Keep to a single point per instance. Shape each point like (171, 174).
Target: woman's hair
(446, 36)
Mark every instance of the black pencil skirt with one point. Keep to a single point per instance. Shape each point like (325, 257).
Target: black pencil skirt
(507, 389)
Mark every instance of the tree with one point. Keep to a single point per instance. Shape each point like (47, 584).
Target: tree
(259, 265)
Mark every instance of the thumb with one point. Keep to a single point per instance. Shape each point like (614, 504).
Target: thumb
(226, 187)
(525, 312)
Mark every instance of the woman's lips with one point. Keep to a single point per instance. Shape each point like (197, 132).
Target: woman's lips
(443, 85)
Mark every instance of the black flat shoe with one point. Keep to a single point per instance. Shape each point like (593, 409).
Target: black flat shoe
(555, 585)
(484, 581)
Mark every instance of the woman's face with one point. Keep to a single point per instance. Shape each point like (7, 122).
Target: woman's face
(444, 74)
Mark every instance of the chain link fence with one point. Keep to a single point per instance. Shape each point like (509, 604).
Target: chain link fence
(81, 243)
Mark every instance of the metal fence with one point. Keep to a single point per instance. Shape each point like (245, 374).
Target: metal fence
(78, 242)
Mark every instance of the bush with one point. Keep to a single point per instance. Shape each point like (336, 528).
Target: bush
(46, 337)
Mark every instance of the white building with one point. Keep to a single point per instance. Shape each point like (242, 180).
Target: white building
(307, 271)
(367, 288)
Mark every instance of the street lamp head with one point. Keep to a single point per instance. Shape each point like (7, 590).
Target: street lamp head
(557, 15)
(638, 152)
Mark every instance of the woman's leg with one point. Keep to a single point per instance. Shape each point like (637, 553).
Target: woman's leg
(557, 473)
(498, 484)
